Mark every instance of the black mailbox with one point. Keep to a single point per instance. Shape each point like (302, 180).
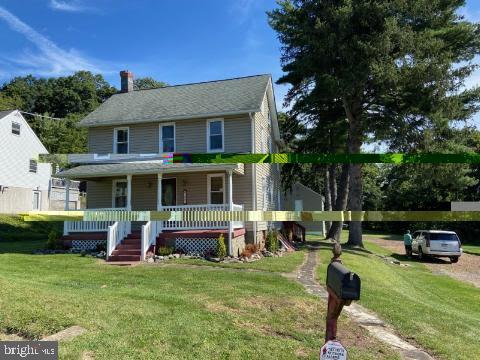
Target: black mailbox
(344, 283)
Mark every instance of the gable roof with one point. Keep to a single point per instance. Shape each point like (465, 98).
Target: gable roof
(5, 113)
(19, 117)
(206, 99)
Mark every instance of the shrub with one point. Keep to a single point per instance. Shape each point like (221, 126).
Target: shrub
(221, 248)
(271, 241)
(101, 247)
(52, 242)
(252, 248)
(165, 251)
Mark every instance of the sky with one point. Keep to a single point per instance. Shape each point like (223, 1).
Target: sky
(175, 41)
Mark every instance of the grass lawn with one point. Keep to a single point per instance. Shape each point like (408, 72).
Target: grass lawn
(284, 264)
(13, 228)
(438, 312)
(168, 312)
(471, 249)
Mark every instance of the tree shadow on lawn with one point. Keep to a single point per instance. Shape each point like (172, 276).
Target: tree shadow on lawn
(21, 246)
(427, 259)
(355, 250)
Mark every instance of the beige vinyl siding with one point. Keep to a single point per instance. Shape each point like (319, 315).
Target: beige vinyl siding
(99, 194)
(190, 136)
(268, 171)
(144, 192)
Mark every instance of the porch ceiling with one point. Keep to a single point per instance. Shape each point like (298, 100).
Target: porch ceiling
(143, 168)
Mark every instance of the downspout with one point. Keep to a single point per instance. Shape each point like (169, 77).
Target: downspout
(254, 174)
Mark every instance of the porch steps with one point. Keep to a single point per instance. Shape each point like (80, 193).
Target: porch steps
(129, 249)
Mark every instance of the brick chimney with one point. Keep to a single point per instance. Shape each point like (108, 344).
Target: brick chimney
(126, 81)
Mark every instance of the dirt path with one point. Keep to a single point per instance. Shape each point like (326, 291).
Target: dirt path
(467, 269)
(376, 327)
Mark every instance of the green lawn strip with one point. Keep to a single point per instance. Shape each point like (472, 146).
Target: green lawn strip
(13, 228)
(471, 249)
(21, 246)
(150, 312)
(287, 263)
(432, 309)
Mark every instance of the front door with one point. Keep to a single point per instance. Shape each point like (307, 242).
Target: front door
(169, 192)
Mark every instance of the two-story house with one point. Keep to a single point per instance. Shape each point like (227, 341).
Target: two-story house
(225, 116)
(25, 183)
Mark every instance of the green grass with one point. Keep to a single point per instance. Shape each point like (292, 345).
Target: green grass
(13, 228)
(471, 249)
(438, 312)
(168, 312)
(284, 264)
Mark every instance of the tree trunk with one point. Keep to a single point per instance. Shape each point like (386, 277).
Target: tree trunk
(340, 203)
(328, 201)
(333, 183)
(353, 111)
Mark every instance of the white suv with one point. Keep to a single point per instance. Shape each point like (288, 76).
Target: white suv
(437, 243)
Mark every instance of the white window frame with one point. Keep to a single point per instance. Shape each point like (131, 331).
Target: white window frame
(19, 128)
(208, 136)
(160, 136)
(114, 188)
(39, 200)
(115, 131)
(209, 187)
(30, 166)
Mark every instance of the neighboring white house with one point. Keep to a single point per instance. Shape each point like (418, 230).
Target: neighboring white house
(302, 198)
(25, 183)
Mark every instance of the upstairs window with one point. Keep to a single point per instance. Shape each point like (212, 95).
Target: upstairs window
(33, 166)
(215, 135)
(15, 128)
(121, 136)
(167, 138)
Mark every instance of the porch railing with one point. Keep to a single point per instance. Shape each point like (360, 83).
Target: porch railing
(85, 226)
(116, 233)
(200, 224)
(149, 234)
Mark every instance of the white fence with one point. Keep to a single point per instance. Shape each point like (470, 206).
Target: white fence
(85, 226)
(200, 224)
(116, 233)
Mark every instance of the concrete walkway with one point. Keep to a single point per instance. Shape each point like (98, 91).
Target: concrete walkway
(357, 313)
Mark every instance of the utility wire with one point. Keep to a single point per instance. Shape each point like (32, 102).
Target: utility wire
(43, 116)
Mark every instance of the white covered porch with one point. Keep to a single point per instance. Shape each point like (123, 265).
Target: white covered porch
(161, 191)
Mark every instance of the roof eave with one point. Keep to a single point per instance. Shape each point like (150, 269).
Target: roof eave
(166, 119)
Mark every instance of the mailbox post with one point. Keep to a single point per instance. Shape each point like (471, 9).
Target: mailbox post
(343, 286)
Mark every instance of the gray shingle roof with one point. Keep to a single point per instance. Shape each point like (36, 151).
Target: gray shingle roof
(141, 167)
(5, 113)
(215, 98)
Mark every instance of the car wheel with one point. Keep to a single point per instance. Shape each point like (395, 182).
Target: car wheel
(454, 259)
(420, 254)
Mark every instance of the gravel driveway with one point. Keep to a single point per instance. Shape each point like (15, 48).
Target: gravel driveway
(467, 269)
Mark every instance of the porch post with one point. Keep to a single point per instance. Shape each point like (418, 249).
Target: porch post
(67, 194)
(159, 192)
(159, 202)
(230, 208)
(129, 192)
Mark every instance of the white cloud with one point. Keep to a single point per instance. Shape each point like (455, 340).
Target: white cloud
(50, 59)
(71, 6)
